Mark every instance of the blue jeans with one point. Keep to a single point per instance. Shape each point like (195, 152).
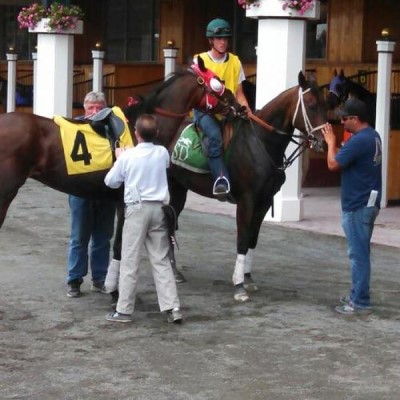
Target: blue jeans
(210, 126)
(358, 227)
(212, 130)
(92, 228)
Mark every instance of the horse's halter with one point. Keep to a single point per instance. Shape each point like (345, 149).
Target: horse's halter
(309, 128)
(310, 139)
(301, 147)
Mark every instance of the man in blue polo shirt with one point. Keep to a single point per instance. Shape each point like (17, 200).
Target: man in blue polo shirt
(360, 160)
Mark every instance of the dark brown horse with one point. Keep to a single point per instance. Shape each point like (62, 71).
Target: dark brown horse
(342, 87)
(30, 145)
(256, 167)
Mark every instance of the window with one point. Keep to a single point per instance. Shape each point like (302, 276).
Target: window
(245, 36)
(316, 35)
(10, 36)
(132, 30)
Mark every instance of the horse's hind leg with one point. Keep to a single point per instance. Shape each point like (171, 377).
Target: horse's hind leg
(112, 278)
(10, 183)
(5, 201)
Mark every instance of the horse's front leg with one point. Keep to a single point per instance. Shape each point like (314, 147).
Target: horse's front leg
(249, 218)
(249, 284)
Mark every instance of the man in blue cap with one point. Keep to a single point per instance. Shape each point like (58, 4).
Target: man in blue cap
(360, 160)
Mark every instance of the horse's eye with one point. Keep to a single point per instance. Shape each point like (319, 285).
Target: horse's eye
(216, 85)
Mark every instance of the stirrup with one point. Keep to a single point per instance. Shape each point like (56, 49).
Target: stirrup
(224, 181)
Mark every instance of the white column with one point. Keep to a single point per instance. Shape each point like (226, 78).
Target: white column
(34, 59)
(283, 41)
(55, 64)
(98, 57)
(11, 80)
(280, 58)
(170, 55)
(385, 54)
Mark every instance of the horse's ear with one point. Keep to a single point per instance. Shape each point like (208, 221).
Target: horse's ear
(200, 63)
(341, 73)
(335, 72)
(302, 80)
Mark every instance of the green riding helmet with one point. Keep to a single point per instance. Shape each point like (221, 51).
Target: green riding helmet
(218, 28)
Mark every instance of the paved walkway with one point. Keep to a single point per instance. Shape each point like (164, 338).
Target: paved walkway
(322, 214)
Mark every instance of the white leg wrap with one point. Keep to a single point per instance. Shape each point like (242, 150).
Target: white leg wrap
(112, 278)
(248, 261)
(238, 274)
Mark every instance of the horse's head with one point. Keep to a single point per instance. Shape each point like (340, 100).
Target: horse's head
(216, 97)
(342, 88)
(337, 89)
(310, 113)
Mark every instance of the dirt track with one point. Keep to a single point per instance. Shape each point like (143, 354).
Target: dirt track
(287, 343)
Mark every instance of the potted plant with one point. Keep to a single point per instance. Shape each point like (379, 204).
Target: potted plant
(58, 18)
(297, 9)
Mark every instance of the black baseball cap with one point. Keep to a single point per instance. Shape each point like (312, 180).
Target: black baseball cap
(354, 108)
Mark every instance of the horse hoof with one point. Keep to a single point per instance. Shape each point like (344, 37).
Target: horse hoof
(179, 278)
(240, 295)
(249, 285)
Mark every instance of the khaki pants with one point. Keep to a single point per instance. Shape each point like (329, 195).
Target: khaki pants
(145, 225)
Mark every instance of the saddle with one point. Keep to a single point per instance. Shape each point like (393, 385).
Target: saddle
(107, 125)
(89, 144)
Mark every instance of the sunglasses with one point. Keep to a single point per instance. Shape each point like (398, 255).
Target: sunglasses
(348, 117)
(218, 31)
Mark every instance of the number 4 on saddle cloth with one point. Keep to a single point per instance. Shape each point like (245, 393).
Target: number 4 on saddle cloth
(190, 151)
(89, 144)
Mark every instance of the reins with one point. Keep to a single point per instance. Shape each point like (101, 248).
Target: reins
(259, 121)
(166, 113)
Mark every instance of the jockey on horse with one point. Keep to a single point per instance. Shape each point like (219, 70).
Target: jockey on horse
(228, 68)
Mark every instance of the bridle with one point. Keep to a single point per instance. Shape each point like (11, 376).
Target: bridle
(301, 145)
(209, 97)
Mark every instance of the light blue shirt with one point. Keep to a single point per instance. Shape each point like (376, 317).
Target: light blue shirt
(143, 171)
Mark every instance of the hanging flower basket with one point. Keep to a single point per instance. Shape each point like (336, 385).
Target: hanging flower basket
(57, 18)
(248, 3)
(298, 9)
(44, 26)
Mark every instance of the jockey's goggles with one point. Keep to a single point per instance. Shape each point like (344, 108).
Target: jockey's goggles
(223, 31)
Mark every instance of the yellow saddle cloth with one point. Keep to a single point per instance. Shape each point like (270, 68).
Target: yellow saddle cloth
(84, 149)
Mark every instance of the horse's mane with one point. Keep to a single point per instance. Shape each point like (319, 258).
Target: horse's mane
(312, 85)
(148, 103)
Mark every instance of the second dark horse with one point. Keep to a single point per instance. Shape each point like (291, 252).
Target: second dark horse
(256, 166)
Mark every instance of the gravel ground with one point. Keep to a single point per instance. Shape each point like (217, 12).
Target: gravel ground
(286, 343)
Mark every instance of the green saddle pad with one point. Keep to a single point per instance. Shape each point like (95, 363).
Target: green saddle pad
(188, 151)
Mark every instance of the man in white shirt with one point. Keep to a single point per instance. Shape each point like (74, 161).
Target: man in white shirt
(143, 171)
